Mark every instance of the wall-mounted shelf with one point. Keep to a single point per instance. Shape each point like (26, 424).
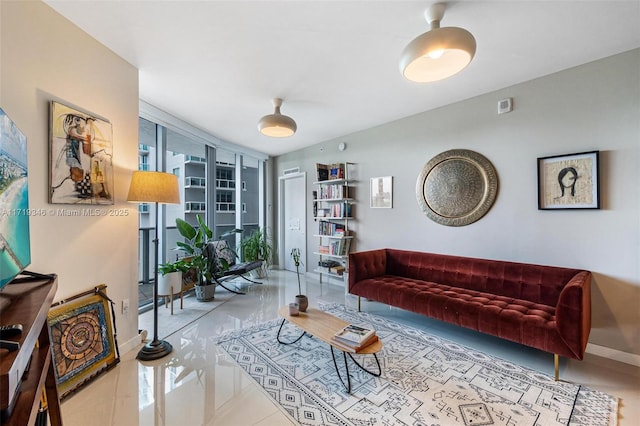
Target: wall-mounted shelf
(334, 198)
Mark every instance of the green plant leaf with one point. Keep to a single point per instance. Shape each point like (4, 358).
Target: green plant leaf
(205, 229)
(185, 229)
(187, 248)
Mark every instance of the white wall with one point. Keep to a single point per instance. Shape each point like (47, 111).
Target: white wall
(44, 57)
(591, 107)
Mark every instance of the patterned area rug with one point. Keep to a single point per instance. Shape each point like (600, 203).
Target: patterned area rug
(425, 380)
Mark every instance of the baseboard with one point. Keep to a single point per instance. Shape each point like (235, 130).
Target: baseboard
(614, 354)
(327, 279)
(130, 344)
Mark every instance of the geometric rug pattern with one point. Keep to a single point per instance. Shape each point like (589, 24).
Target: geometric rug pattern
(426, 380)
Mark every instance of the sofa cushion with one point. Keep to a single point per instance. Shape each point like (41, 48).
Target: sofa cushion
(518, 320)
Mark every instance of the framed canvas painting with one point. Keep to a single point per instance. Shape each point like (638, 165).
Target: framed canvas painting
(569, 181)
(81, 157)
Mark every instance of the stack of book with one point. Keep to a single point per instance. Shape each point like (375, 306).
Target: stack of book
(338, 270)
(330, 171)
(353, 338)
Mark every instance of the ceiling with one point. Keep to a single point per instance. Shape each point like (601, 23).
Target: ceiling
(218, 64)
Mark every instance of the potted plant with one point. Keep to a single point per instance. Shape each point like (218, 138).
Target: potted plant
(200, 257)
(301, 299)
(170, 278)
(257, 247)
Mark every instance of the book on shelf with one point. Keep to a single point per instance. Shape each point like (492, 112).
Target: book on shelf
(334, 192)
(329, 171)
(322, 172)
(338, 270)
(351, 347)
(336, 171)
(332, 229)
(341, 210)
(340, 247)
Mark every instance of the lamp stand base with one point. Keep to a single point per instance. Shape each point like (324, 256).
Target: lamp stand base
(154, 350)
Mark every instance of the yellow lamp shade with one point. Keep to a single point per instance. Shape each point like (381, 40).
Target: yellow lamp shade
(154, 187)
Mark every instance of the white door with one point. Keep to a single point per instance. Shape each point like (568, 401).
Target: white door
(293, 220)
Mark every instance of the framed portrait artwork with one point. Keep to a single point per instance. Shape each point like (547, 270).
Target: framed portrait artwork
(381, 192)
(569, 181)
(81, 157)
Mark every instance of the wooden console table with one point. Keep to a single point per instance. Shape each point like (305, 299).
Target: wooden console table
(28, 303)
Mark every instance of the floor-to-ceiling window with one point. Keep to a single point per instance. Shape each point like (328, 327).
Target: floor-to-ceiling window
(234, 201)
(146, 161)
(250, 195)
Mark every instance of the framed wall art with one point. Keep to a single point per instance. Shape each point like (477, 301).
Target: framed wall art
(569, 181)
(81, 157)
(381, 192)
(83, 343)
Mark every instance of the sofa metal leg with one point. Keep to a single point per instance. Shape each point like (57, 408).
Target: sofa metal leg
(556, 366)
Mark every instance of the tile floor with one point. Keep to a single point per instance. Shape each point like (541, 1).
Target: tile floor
(198, 384)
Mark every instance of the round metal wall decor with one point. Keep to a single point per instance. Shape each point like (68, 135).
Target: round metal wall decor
(457, 187)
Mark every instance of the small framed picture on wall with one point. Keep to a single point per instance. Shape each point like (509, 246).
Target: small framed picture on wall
(569, 181)
(381, 192)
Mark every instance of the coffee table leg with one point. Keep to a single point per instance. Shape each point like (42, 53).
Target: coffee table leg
(378, 374)
(346, 367)
(287, 343)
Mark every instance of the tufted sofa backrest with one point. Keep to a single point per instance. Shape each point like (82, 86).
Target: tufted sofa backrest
(536, 283)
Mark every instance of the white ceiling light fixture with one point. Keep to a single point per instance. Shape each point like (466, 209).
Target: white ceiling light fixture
(439, 53)
(277, 125)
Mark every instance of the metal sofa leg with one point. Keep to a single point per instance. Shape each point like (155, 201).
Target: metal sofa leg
(556, 366)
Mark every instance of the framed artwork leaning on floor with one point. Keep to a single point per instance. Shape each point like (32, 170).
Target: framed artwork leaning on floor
(83, 343)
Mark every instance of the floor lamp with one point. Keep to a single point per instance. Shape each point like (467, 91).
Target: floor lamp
(154, 187)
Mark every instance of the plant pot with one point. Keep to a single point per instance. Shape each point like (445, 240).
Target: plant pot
(260, 272)
(170, 283)
(302, 302)
(205, 293)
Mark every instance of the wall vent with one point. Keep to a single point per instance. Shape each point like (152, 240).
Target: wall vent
(291, 171)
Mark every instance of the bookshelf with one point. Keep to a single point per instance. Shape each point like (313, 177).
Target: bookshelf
(334, 213)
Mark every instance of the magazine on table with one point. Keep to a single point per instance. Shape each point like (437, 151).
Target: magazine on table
(355, 334)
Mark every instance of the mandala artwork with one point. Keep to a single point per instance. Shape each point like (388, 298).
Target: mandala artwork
(82, 340)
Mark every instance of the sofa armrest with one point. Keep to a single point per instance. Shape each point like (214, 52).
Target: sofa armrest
(573, 313)
(366, 264)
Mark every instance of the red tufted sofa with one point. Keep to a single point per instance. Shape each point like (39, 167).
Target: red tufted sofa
(545, 307)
